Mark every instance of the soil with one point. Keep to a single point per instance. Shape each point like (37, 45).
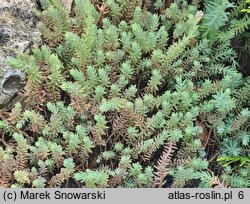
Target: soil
(239, 44)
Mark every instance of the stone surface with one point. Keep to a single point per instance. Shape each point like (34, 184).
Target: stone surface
(67, 4)
(18, 33)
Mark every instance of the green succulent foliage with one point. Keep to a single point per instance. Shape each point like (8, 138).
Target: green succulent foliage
(93, 179)
(22, 177)
(39, 182)
(128, 97)
(247, 9)
(215, 17)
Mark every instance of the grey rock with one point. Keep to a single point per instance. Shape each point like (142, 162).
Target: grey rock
(67, 4)
(18, 33)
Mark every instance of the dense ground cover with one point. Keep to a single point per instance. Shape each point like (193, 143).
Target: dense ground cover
(132, 94)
